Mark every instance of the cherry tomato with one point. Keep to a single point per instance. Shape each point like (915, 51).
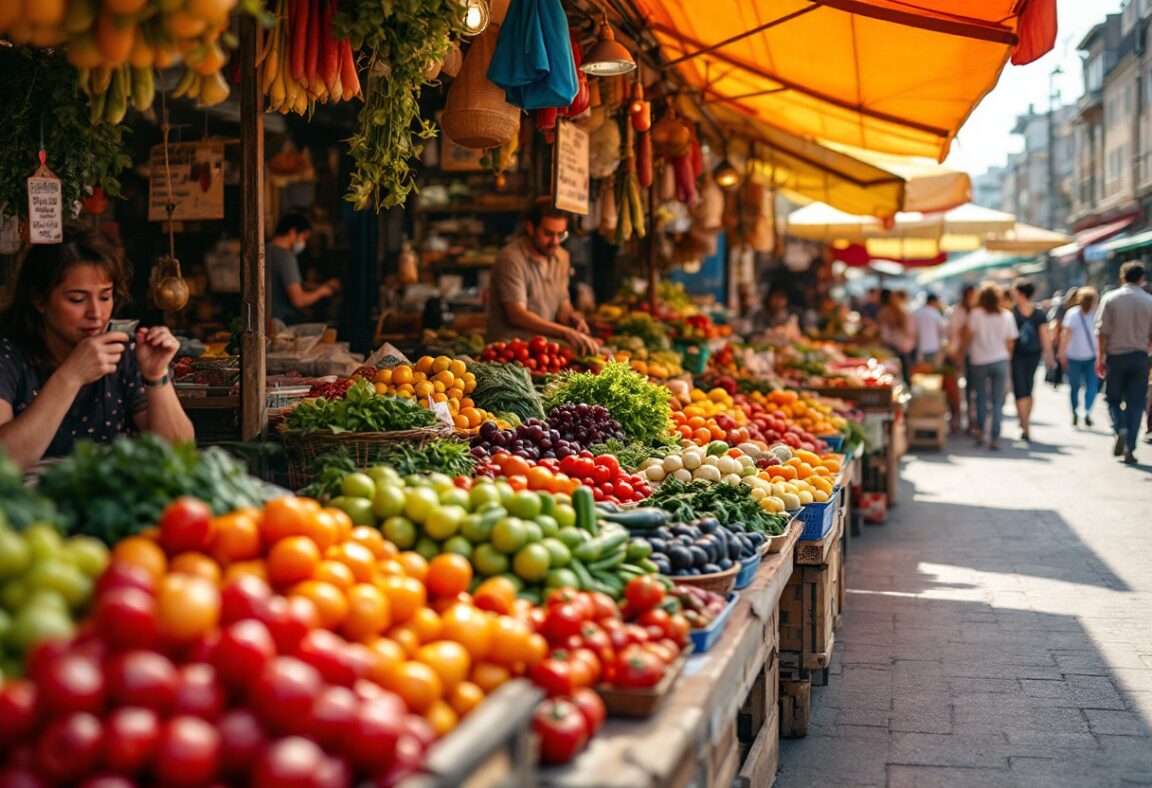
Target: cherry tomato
(644, 592)
(562, 622)
(188, 752)
(591, 707)
(636, 667)
(562, 729)
(186, 524)
(131, 734)
(69, 747)
(554, 676)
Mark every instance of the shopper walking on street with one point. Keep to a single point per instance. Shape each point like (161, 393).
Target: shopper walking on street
(1124, 334)
(1032, 344)
(989, 337)
(898, 331)
(930, 329)
(957, 322)
(1078, 352)
(1060, 306)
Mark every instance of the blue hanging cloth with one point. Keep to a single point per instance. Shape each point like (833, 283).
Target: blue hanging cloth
(533, 58)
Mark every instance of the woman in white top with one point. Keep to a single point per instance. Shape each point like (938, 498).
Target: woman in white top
(957, 322)
(988, 338)
(1078, 352)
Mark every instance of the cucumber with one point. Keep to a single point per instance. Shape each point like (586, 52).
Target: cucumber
(629, 571)
(600, 547)
(608, 562)
(648, 566)
(638, 549)
(614, 583)
(607, 506)
(582, 574)
(645, 518)
(585, 506)
(547, 504)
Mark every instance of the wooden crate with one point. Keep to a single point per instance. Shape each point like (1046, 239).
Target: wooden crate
(810, 605)
(927, 432)
(795, 707)
(494, 746)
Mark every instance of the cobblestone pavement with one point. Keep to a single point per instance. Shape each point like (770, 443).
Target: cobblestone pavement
(998, 629)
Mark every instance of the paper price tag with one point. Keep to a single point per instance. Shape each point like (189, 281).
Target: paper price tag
(45, 206)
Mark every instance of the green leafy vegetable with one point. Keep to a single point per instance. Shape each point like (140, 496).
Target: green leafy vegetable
(438, 456)
(506, 388)
(361, 410)
(641, 407)
(113, 490)
(20, 506)
(631, 455)
(728, 503)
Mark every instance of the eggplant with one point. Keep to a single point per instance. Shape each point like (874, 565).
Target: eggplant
(725, 564)
(679, 557)
(658, 544)
(699, 555)
(709, 569)
(685, 530)
(733, 549)
(662, 563)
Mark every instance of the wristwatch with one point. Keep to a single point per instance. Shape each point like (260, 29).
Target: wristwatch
(155, 384)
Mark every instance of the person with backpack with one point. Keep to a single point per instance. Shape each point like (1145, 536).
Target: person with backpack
(1124, 335)
(1031, 344)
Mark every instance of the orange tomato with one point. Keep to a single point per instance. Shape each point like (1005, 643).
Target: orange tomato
(186, 607)
(237, 536)
(441, 717)
(292, 559)
(386, 654)
(196, 564)
(406, 595)
(287, 516)
(141, 552)
(405, 637)
(343, 523)
(515, 465)
(416, 683)
(415, 565)
(255, 568)
(537, 649)
(336, 573)
(702, 436)
(468, 626)
(368, 613)
(464, 697)
(372, 539)
(390, 567)
(496, 594)
(324, 529)
(330, 601)
(448, 575)
(488, 676)
(356, 557)
(510, 641)
(449, 659)
(426, 624)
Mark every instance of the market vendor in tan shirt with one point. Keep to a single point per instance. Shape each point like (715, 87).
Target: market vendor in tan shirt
(529, 286)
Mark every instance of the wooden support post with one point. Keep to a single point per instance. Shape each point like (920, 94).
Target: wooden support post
(253, 399)
(653, 274)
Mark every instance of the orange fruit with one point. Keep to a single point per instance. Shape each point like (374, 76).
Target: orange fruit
(324, 528)
(415, 565)
(441, 717)
(237, 536)
(449, 574)
(464, 697)
(468, 626)
(416, 683)
(426, 623)
(405, 637)
(537, 649)
(496, 594)
(401, 375)
(287, 516)
(336, 573)
(255, 568)
(406, 596)
(390, 567)
(331, 604)
(196, 564)
(292, 559)
(368, 613)
(186, 607)
(510, 641)
(372, 539)
(145, 553)
(386, 654)
(488, 676)
(449, 659)
(356, 557)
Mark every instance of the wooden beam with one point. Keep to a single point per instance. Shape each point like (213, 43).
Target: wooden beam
(253, 399)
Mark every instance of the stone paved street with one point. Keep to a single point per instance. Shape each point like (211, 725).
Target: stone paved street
(998, 629)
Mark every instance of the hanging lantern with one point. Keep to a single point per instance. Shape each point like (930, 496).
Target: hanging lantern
(477, 15)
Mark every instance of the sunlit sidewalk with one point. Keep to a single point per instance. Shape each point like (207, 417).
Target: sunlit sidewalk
(998, 629)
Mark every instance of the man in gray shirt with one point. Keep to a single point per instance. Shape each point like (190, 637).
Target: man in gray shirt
(1124, 330)
(283, 284)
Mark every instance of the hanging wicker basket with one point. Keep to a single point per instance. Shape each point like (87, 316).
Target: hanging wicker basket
(476, 114)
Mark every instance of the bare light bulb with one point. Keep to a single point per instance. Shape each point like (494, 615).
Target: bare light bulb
(476, 17)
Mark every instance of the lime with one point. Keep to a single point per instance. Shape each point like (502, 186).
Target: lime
(558, 553)
(506, 492)
(565, 515)
(509, 534)
(454, 496)
(561, 578)
(572, 537)
(531, 562)
(444, 521)
(46, 597)
(384, 474)
(358, 485)
(419, 503)
(427, 548)
(88, 554)
(359, 509)
(15, 554)
(62, 577)
(534, 531)
(36, 623)
(388, 500)
(415, 480)
(562, 499)
(43, 541)
(488, 561)
(525, 505)
(440, 482)
(482, 493)
(548, 525)
(476, 528)
(400, 531)
(459, 545)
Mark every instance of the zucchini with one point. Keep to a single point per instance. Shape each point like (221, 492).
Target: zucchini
(615, 586)
(646, 518)
(630, 571)
(582, 573)
(547, 504)
(608, 562)
(600, 547)
(585, 506)
(607, 506)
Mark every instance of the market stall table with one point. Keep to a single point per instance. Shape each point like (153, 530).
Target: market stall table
(693, 738)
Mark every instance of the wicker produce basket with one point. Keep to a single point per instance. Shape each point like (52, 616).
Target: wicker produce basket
(303, 448)
(719, 582)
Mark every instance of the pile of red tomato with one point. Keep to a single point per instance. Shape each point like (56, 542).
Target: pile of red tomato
(594, 642)
(537, 354)
(609, 482)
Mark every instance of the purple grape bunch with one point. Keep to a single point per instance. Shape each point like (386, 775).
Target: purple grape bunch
(535, 439)
(584, 424)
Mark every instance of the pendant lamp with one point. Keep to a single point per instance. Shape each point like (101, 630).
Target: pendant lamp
(608, 57)
(477, 15)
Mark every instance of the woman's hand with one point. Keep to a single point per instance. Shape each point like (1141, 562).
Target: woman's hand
(93, 358)
(155, 349)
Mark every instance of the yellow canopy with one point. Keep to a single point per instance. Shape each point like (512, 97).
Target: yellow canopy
(886, 75)
(1027, 239)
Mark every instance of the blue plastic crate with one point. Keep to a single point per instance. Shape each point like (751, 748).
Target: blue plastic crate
(747, 573)
(835, 442)
(704, 639)
(818, 518)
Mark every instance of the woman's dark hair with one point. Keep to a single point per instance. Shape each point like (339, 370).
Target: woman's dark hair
(1025, 288)
(990, 299)
(41, 269)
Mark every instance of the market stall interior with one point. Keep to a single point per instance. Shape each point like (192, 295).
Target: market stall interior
(604, 540)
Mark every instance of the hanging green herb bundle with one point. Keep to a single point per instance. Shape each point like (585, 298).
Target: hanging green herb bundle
(398, 40)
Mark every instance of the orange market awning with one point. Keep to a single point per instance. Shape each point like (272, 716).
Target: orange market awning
(895, 76)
